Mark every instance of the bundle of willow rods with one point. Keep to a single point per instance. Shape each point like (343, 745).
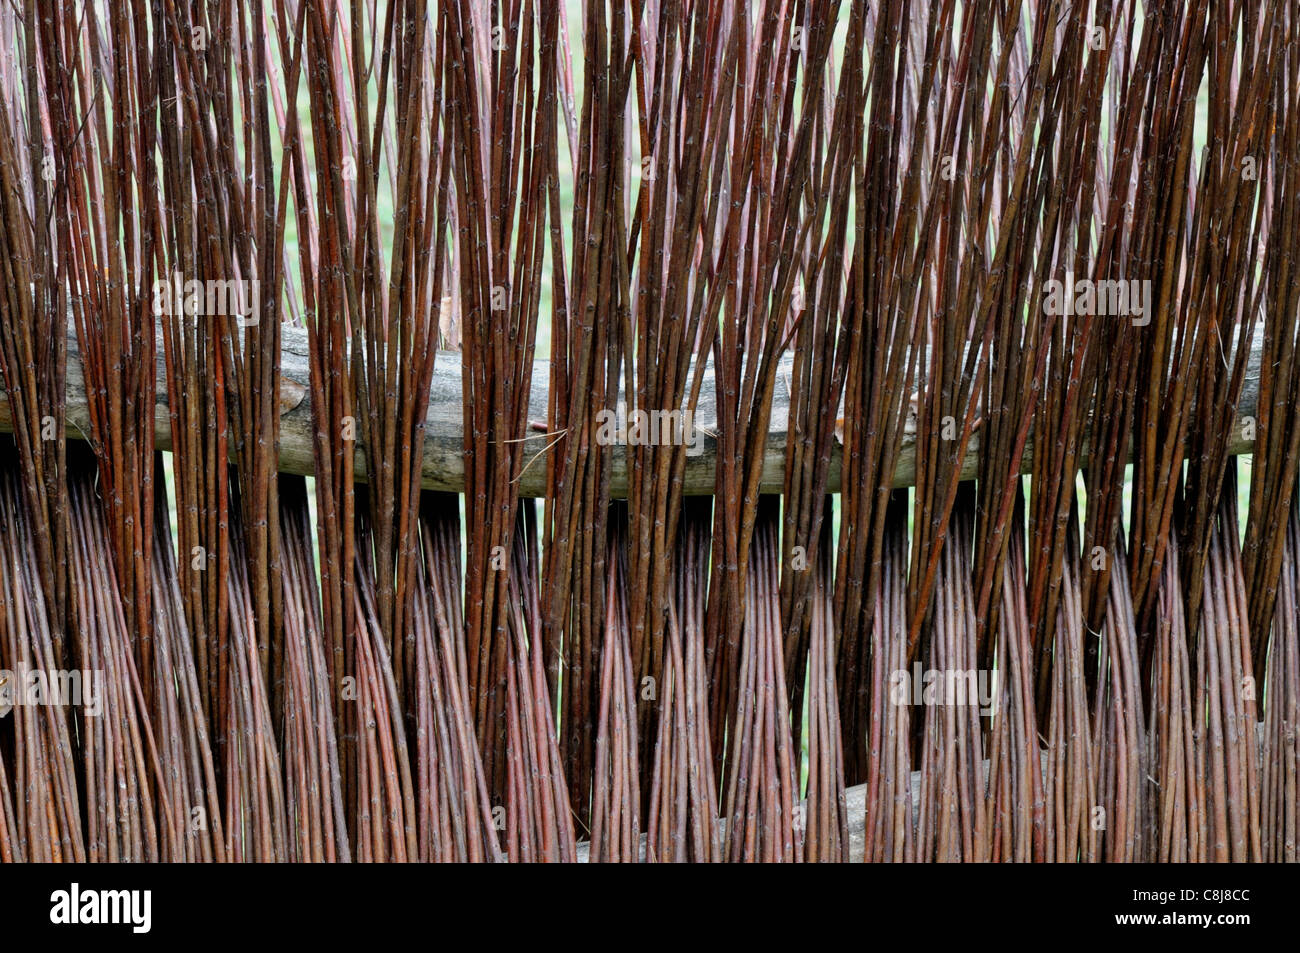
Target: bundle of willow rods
(1058, 238)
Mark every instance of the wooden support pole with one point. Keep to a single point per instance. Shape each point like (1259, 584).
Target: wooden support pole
(444, 467)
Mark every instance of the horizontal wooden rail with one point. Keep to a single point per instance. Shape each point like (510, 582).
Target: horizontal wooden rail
(855, 804)
(444, 465)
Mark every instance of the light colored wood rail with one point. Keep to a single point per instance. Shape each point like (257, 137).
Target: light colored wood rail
(444, 467)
